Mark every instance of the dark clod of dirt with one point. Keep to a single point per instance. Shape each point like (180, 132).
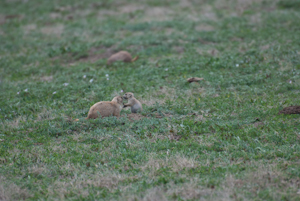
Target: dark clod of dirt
(194, 79)
(121, 56)
(290, 110)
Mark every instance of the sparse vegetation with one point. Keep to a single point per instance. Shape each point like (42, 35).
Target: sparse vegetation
(221, 138)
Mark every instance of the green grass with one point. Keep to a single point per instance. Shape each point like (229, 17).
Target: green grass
(219, 139)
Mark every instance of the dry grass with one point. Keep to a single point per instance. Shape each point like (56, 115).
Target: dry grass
(265, 178)
(80, 183)
(28, 28)
(153, 98)
(176, 163)
(46, 114)
(12, 124)
(10, 191)
(191, 190)
(55, 30)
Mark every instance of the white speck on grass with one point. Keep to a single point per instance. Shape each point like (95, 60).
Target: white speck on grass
(26, 90)
(107, 78)
(54, 92)
(84, 76)
(106, 75)
(18, 92)
(166, 69)
(91, 80)
(237, 65)
(66, 84)
(290, 81)
(121, 90)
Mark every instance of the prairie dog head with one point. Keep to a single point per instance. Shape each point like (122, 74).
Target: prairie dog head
(128, 95)
(118, 99)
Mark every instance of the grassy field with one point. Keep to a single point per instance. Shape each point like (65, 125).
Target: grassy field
(219, 139)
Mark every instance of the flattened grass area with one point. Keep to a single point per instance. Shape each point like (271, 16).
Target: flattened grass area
(219, 139)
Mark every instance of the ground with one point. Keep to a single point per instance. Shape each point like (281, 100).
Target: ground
(222, 138)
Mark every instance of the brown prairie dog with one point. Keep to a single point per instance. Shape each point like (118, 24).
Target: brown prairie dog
(121, 56)
(134, 104)
(106, 108)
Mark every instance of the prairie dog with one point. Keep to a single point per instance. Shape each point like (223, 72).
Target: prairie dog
(121, 56)
(106, 108)
(135, 105)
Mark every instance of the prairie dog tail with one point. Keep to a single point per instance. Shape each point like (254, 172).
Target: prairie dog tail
(134, 59)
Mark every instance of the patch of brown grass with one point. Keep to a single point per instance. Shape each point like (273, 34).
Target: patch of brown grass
(130, 8)
(55, 30)
(176, 163)
(237, 7)
(156, 14)
(29, 27)
(14, 123)
(153, 98)
(97, 53)
(10, 191)
(191, 190)
(46, 114)
(81, 183)
(46, 78)
(265, 177)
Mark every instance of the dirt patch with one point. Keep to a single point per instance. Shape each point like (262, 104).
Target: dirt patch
(290, 110)
(135, 116)
(208, 13)
(10, 191)
(97, 53)
(265, 177)
(210, 52)
(104, 14)
(46, 78)
(138, 116)
(175, 137)
(178, 49)
(204, 27)
(55, 16)
(157, 14)
(56, 30)
(257, 124)
(130, 8)
(194, 79)
(28, 28)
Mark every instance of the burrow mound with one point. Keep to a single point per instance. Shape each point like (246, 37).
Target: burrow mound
(137, 116)
(290, 110)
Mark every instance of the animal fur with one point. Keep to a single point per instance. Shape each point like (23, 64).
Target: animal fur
(121, 56)
(106, 108)
(133, 103)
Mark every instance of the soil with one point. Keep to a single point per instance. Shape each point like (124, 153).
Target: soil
(137, 116)
(290, 110)
(194, 79)
(97, 53)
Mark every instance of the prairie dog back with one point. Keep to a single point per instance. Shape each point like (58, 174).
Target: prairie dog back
(106, 108)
